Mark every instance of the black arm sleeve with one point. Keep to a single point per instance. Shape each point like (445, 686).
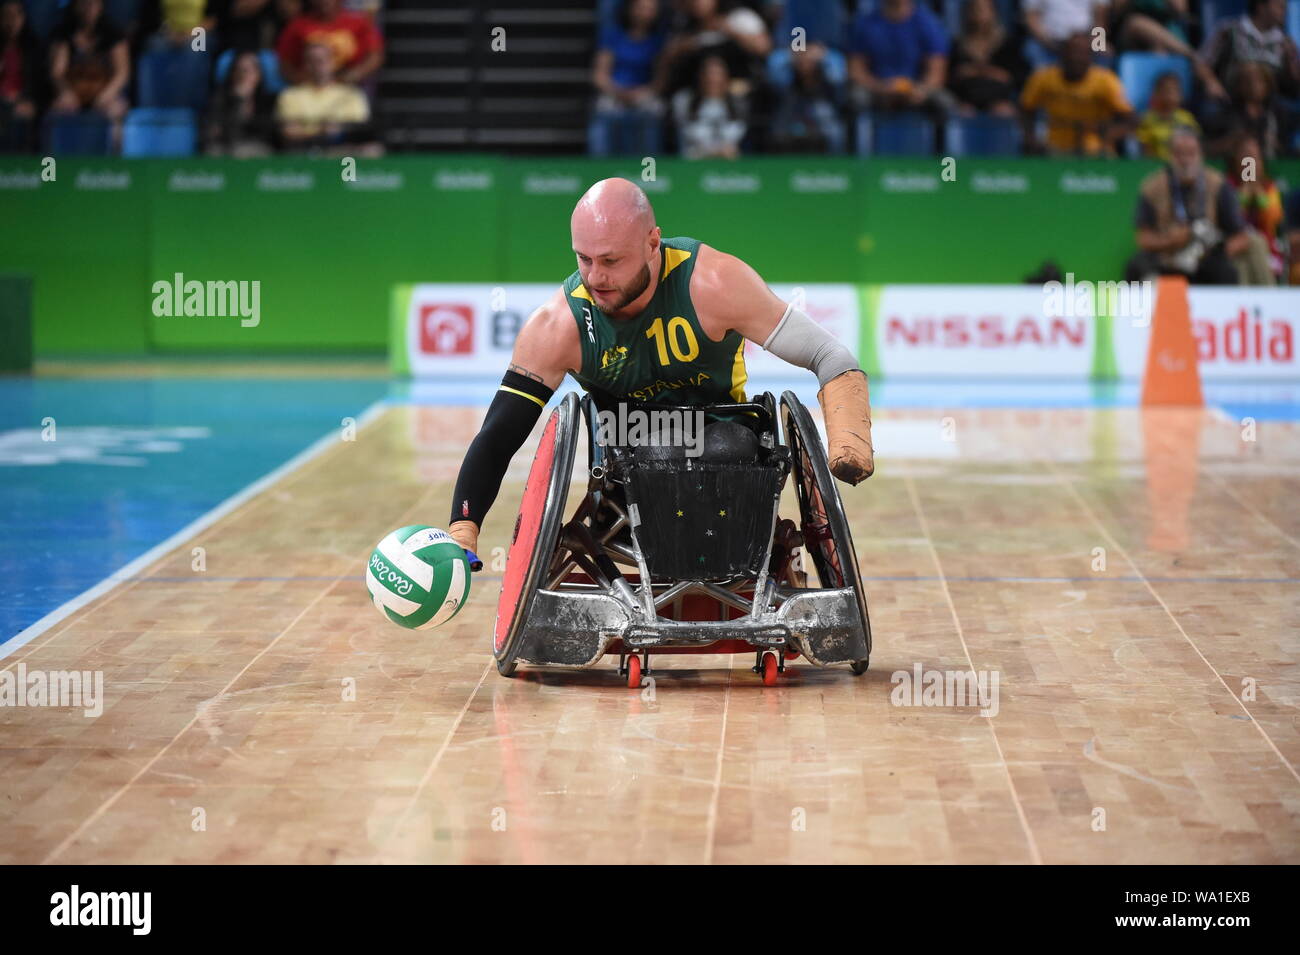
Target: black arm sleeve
(511, 416)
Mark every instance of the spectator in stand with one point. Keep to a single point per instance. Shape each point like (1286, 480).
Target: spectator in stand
(1261, 208)
(1188, 221)
(20, 72)
(738, 35)
(808, 112)
(986, 69)
(241, 119)
(627, 56)
(1257, 37)
(898, 59)
(322, 113)
(1085, 106)
(1050, 23)
(89, 63)
(1293, 235)
(1160, 26)
(245, 24)
(711, 120)
(1163, 116)
(1253, 111)
(170, 24)
(355, 42)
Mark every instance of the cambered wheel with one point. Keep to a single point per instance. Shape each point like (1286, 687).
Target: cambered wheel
(537, 530)
(823, 523)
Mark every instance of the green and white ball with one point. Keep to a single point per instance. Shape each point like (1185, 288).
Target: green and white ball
(418, 577)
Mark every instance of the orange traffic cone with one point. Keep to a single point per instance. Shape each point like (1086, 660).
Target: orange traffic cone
(1172, 375)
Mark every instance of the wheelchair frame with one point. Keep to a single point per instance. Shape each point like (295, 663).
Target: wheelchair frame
(565, 602)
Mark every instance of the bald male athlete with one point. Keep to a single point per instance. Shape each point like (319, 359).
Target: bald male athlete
(649, 319)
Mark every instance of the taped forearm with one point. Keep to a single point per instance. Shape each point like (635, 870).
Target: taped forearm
(801, 341)
(510, 418)
(846, 405)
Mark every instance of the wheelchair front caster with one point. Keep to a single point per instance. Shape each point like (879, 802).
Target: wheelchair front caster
(634, 672)
(770, 668)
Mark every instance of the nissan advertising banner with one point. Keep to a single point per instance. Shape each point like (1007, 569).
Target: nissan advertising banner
(978, 331)
(966, 331)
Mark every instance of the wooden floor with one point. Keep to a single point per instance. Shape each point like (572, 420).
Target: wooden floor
(1147, 711)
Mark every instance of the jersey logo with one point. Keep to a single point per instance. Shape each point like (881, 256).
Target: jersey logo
(591, 331)
(613, 358)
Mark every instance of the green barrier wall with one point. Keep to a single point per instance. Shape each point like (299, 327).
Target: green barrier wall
(326, 252)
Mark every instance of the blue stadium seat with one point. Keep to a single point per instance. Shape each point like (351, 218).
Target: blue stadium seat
(1213, 11)
(122, 12)
(1293, 20)
(1138, 72)
(43, 15)
(626, 134)
(78, 134)
(780, 73)
(902, 135)
(174, 78)
(271, 77)
(822, 21)
(982, 136)
(159, 132)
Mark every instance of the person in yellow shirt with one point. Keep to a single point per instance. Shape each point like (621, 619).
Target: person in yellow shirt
(170, 24)
(1164, 116)
(1086, 109)
(320, 111)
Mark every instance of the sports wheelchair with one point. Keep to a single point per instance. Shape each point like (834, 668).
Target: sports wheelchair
(669, 554)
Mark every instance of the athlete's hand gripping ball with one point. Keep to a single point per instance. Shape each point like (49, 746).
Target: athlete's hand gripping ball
(418, 577)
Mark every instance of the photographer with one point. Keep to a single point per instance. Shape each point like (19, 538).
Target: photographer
(1188, 220)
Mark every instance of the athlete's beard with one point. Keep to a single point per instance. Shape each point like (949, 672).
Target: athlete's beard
(630, 293)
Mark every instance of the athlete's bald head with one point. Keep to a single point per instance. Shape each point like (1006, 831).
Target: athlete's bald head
(616, 203)
(616, 241)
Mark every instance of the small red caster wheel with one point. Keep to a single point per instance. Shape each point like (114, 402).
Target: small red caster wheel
(634, 672)
(769, 668)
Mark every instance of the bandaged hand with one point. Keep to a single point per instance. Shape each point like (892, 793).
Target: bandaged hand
(465, 533)
(847, 408)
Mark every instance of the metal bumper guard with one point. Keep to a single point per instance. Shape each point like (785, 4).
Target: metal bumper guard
(566, 629)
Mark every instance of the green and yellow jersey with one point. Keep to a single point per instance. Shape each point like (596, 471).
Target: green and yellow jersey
(661, 355)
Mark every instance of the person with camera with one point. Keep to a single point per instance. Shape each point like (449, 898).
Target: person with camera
(1188, 219)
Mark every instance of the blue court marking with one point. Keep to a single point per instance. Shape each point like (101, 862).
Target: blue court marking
(133, 462)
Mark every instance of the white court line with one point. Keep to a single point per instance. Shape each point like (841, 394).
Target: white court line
(1252, 508)
(108, 803)
(25, 636)
(433, 765)
(711, 826)
(1110, 539)
(1034, 854)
